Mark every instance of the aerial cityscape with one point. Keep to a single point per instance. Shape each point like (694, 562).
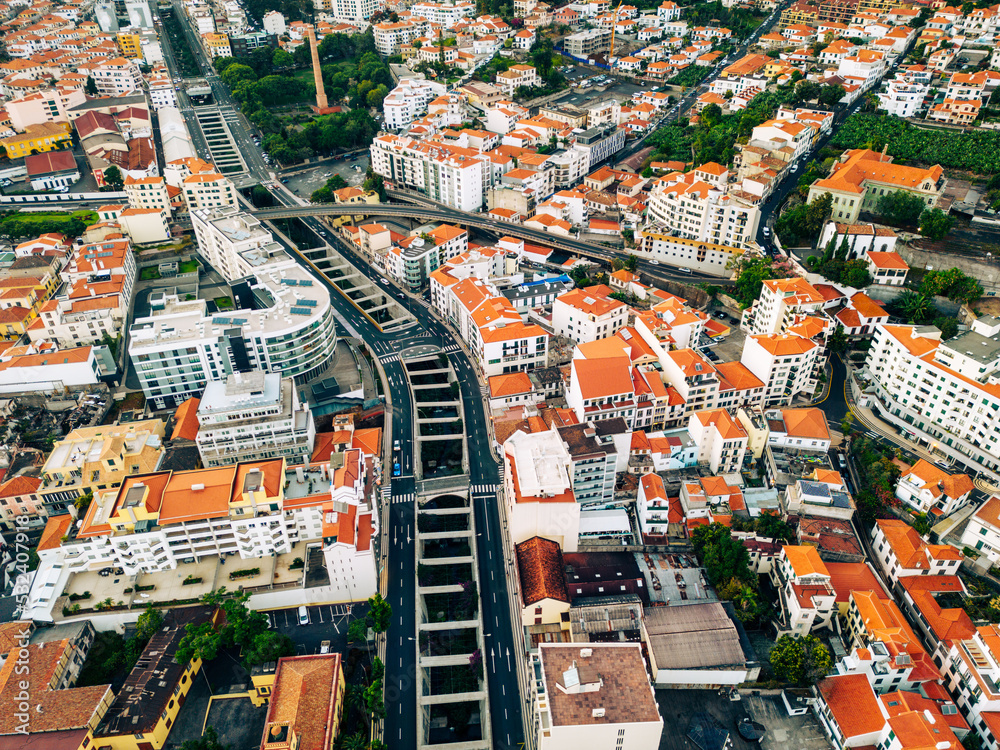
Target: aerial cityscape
(488, 374)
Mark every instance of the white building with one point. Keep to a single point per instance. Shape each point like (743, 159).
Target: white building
(584, 315)
(352, 11)
(928, 489)
(652, 506)
(409, 100)
(943, 394)
(690, 207)
(389, 36)
(806, 595)
(868, 65)
(594, 695)
(252, 416)
(722, 441)
(901, 552)
(781, 302)
(982, 533)
(208, 190)
(787, 363)
(274, 23)
(156, 522)
(902, 98)
(445, 14)
(451, 175)
(117, 77)
(180, 345)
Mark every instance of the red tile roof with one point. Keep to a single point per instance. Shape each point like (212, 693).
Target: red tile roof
(541, 570)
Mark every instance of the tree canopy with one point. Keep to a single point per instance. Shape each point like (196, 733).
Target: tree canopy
(900, 208)
(751, 273)
(801, 661)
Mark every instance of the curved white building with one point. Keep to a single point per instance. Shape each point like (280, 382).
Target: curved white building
(283, 322)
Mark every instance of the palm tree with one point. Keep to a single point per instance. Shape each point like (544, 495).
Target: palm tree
(355, 742)
(915, 307)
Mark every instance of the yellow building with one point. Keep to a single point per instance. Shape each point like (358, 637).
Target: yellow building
(799, 12)
(296, 723)
(36, 139)
(96, 458)
(129, 44)
(347, 196)
(218, 45)
(146, 707)
(879, 6)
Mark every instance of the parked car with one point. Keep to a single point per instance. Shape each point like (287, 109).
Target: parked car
(303, 615)
(324, 647)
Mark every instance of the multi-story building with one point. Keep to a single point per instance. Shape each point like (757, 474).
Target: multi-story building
(181, 345)
(117, 77)
(598, 695)
(292, 722)
(517, 76)
(208, 190)
(787, 363)
(451, 175)
(686, 206)
(600, 142)
(587, 315)
(901, 552)
(45, 105)
(929, 489)
(45, 136)
(942, 394)
(352, 11)
(217, 45)
(902, 98)
(722, 441)
(982, 533)
(806, 595)
(91, 459)
(862, 176)
(390, 36)
(585, 43)
(409, 100)
(446, 14)
(867, 65)
(157, 521)
(252, 416)
(21, 507)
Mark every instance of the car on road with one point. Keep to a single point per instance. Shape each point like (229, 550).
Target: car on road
(655, 262)
(396, 471)
(766, 231)
(684, 270)
(795, 167)
(401, 295)
(395, 445)
(384, 281)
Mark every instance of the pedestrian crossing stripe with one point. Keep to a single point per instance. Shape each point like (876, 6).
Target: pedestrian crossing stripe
(480, 489)
(484, 389)
(452, 348)
(386, 490)
(407, 498)
(386, 358)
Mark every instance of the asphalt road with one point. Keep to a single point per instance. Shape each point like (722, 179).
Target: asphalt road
(400, 660)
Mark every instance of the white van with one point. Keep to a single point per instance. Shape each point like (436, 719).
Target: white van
(303, 615)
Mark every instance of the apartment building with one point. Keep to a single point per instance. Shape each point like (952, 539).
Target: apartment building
(409, 100)
(956, 111)
(594, 694)
(253, 416)
(867, 65)
(787, 363)
(147, 192)
(587, 315)
(180, 345)
(45, 105)
(585, 43)
(929, 489)
(722, 441)
(352, 11)
(901, 552)
(941, 393)
(780, 304)
(538, 490)
(686, 206)
(862, 176)
(805, 591)
(91, 459)
(982, 533)
(390, 36)
(21, 507)
(117, 77)
(449, 174)
(517, 76)
(157, 521)
(87, 314)
(208, 190)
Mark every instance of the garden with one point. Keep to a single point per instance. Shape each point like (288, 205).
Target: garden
(19, 224)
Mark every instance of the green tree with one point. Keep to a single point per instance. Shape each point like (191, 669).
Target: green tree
(267, 646)
(90, 88)
(355, 742)
(113, 177)
(900, 208)
(208, 741)
(801, 661)
(830, 95)
(357, 632)
(838, 340)
(855, 274)
(374, 699)
(200, 641)
(150, 621)
(236, 73)
(711, 116)
(806, 91)
(723, 557)
(951, 283)
(751, 273)
(770, 525)
(914, 307)
(935, 223)
(379, 613)
(282, 59)
(749, 603)
(376, 95)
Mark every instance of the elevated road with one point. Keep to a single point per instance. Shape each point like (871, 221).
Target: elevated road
(581, 248)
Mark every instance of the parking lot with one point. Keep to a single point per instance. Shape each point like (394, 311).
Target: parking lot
(783, 732)
(327, 622)
(730, 348)
(303, 183)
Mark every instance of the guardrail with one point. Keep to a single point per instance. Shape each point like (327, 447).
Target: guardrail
(62, 197)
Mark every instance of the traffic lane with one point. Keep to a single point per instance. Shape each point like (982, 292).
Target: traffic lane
(400, 696)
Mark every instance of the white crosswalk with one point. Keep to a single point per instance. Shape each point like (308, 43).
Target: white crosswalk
(424, 302)
(407, 498)
(484, 390)
(386, 358)
(386, 490)
(452, 348)
(484, 489)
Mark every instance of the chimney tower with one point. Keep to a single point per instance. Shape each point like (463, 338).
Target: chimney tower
(322, 107)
